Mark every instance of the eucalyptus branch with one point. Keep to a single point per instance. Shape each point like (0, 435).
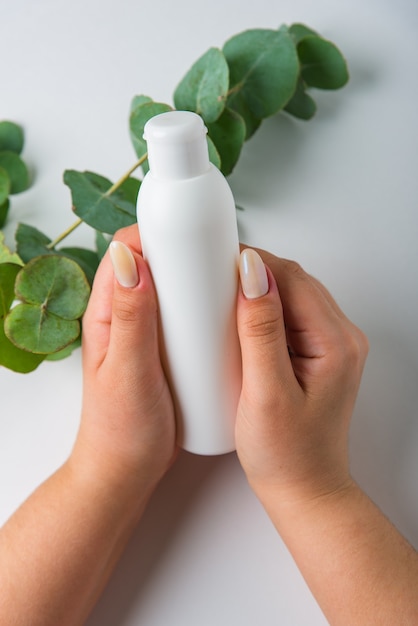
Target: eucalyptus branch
(108, 193)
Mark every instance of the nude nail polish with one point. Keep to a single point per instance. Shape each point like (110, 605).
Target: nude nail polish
(253, 275)
(124, 264)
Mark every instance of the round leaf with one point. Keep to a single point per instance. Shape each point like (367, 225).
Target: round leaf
(8, 273)
(55, 285)
(301, 105)
(6, 256)
(299, 31)
(228, 135)
(32, 328)
(16, 359)
(323, 65)
(264, 69)
(205, 86)
(16, 170)
(11, 137)
(4, 185)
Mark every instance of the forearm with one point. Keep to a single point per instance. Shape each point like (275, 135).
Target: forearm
(358, 566)
(58, 550)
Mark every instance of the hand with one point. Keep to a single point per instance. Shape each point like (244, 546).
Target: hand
(127, 430)
(302, 365)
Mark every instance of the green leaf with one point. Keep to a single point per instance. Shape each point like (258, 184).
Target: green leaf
(323, 65)
(228, 135)
(214, 156)
(16, 170)
(15, 359)
(5, 185)
(205, 86)
(65, 352)
(55, 283)
(252, 123)
(264, 69)
(5, 255)
(54, 294)
(8, 273)
(31, 242)
(299, 31)
(88, 260)
(93, 204)
(4, 211)
(129, 189)
(143, 111)
(138, 100)
(11, 137)
(301, 105)
(102, 244)
(38, 331)
(10, 356)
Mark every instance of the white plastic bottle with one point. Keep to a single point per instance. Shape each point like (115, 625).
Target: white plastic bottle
(188, 229)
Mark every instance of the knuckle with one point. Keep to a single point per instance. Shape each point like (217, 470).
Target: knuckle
(264, 323)
(294, 268)
(125, 309)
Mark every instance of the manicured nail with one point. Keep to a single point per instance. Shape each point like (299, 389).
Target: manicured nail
(253, 275)
(124, 264)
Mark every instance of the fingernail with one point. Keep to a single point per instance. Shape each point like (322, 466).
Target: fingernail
(253, 275)
(124, 264)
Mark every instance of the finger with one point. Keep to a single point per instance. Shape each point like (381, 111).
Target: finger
(312, 318)
(133, 329)
(261, 330)
(97, 318)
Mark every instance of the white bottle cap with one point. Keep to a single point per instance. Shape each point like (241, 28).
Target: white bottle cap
(177, 146)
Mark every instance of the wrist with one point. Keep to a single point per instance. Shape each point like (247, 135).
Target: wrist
(110, 482)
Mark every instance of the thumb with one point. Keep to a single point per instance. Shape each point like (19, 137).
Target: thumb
(133, 330)
(261, 330)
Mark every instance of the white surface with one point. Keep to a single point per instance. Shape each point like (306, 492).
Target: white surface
(337, 193)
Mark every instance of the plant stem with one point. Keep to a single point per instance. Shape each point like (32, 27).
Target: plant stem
(64, 234)
(108, 193)
(121, 180)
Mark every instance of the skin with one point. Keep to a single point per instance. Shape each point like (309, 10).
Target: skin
(291, 434)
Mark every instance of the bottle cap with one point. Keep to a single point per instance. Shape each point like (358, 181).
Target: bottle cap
(177, 146)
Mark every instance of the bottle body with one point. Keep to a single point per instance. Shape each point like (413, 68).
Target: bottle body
(189, 237)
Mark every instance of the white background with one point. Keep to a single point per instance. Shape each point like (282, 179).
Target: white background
(338, 194)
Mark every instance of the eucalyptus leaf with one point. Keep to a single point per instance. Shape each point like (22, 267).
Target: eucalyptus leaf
(8, 273)
(93, 204)
(88, 260)
(205, 86)
(299, 31)
(5, 185)
(228, 135)
(145, 110)
(54, 293)
(102, 244)
(4, 211)
(65, 352)
(54, 283)
(16, 170)
(138, 101)
(16, 359)
(31, 242)
(38, 331)
(301, 105)
(10, 356)
(11, 137)
(214, 156)
(323, 65)
(264, 70)
(6, 256)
